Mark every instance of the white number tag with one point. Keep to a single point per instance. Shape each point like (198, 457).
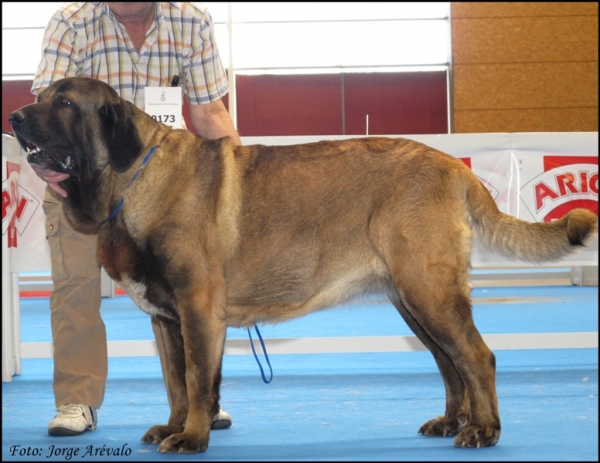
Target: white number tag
(164, 104)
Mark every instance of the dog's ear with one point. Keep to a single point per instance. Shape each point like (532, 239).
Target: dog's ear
(121, 135)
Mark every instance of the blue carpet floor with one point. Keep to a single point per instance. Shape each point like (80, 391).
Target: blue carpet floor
(333, 406)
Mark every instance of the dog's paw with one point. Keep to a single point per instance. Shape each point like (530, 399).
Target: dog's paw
(477, 436)
(157, 434)
(442, 426)
(183, 443)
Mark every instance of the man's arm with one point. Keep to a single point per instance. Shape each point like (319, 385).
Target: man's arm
(212, 120)
(49, 176)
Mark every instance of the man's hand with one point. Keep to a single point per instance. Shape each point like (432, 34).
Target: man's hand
(211, 120)
(52, 178)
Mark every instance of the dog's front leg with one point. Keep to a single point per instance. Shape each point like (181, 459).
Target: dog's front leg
(170, 346)
(203, 327)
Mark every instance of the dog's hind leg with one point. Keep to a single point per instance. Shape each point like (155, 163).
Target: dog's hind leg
(428, 266)
(173, 364)
(457, 411)
(443, 313)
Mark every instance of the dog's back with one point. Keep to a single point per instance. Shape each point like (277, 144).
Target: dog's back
(318, 223)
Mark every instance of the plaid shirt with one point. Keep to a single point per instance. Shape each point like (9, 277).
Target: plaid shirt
(86, 40)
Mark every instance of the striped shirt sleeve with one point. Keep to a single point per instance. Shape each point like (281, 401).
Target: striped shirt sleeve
(206, 80)
(60, 55)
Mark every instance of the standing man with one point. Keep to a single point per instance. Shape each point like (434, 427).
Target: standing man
(128, 45)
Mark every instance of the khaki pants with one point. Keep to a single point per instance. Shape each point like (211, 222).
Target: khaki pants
(78, 332)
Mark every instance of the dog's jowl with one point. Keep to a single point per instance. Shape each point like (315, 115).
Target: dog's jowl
(210, 235)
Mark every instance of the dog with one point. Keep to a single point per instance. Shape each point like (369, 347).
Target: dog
(203, 234)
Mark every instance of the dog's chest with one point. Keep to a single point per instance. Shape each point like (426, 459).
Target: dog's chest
(149, 298)
(138, 291)
(137, 272)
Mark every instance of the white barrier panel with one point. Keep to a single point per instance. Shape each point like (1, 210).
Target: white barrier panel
(11, 340)
(23, 220)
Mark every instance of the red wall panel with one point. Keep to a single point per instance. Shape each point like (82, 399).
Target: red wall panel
(308, 104)
(311, 104)
(397, 103)
(14, 95)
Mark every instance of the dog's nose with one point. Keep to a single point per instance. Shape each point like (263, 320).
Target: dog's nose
(16, 117)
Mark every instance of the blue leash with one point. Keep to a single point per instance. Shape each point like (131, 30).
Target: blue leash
(256, 356)
(144, 162)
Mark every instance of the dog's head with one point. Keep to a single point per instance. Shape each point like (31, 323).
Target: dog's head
(78, 126)
(81, 127)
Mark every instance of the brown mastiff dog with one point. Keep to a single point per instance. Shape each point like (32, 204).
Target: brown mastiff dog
(203, 235)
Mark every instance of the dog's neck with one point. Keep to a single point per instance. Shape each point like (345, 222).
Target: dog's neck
(151, 131)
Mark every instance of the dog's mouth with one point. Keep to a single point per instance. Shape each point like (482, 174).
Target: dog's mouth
(44, 159)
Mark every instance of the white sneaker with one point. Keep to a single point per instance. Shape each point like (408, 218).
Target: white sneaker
(221, 420)
(73, 419)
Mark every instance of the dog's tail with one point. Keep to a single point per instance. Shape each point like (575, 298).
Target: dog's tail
(529, 241)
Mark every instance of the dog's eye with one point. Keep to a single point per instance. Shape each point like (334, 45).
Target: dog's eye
(64, 101)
